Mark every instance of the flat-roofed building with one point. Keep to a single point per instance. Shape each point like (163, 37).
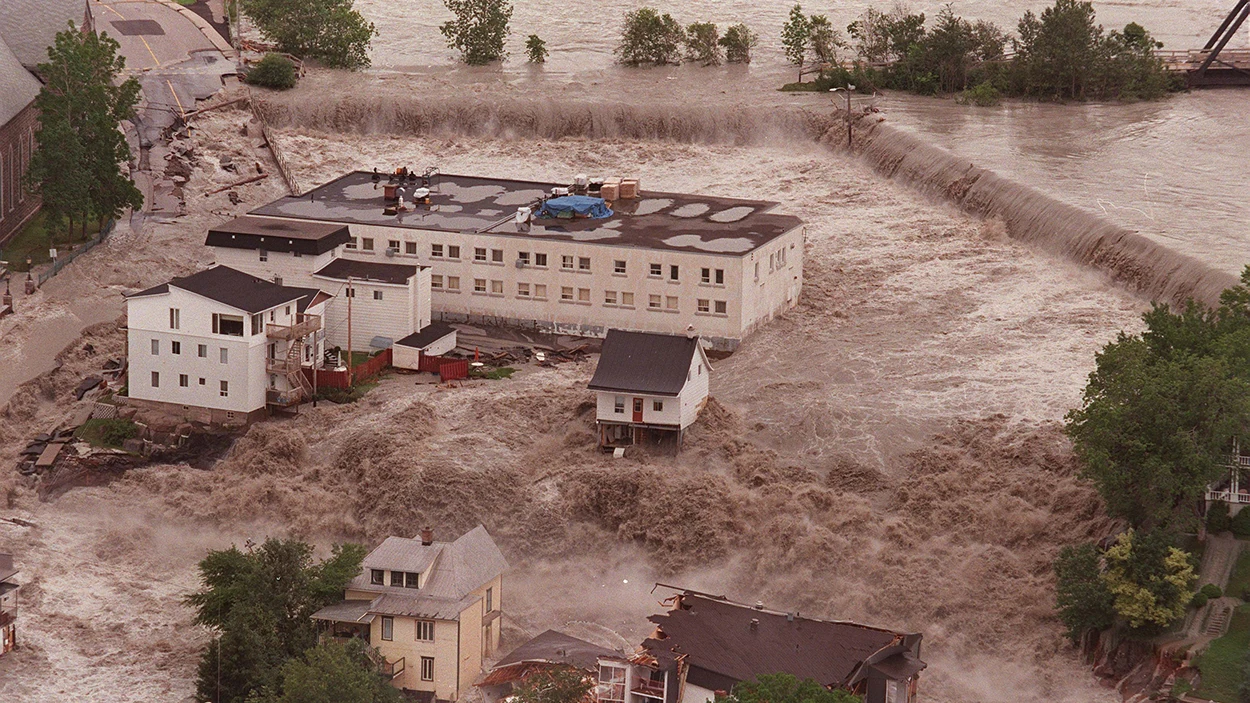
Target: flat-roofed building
(660, 262)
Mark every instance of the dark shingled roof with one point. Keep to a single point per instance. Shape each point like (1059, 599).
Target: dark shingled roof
(427, 335)
(269, 234)
(644, 362)
(558, 648)
(716, 635)
(234, 288)
(368, 271)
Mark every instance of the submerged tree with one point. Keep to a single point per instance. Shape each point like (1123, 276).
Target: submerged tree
(650, 38)
(330, 31)
(479, 29)
(738, 42)
(796, 36)
(536, 49)
(703, 43)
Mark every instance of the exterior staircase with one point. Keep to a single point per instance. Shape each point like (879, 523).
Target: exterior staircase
(292, 366)
(1218, 620)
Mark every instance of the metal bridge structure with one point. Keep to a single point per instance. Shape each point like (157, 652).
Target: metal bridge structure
(1214, 65)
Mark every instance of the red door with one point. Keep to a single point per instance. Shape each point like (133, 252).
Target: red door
(637, 409)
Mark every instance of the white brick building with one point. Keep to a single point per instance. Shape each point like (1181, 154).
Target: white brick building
(221, 346)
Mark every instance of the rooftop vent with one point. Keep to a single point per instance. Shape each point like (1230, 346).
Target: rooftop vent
(759, 605)
(755, 623)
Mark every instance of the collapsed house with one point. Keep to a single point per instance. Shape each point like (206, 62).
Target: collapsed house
(547, 653)
(705, 644)
(431, 609)
(8, 604)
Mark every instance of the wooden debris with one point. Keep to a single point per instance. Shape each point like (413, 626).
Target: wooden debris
(245, 181)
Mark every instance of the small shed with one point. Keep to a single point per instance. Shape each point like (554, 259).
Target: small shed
(435, 339)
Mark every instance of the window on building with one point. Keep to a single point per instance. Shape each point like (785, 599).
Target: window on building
(183, 381)
(609, 297)
(288, 311)
(410, 248)
(672, 273)
(388, 628)
(479, 253)
(496, 287)
(436, 250)
(377, 295)
(656, 270)
(224, 390)
(670, 302)
(453, 283)
(757, 270)
(540, 291)
(351, 243)
(231, 325)
(496, 256)
(611, 683)
(156, 347)
(721, 307)
(704, 305)
(350, 292)
(397, 578)
(258, 323)
(618, 405)
(657, 406)
(705, 275)
(772, 263)
(366, 243)
(540, 259)
(618, 266)
(175, 318)
(479, 285)
(654, 302)
(202, 351)
(566, 262)
(175, 347)
(490, 600)
(453, 251)
(427, 668)
(436, 281)
(225, 355)
(156, 379)
(203, 381)
(264, 255)
(425, 630)
(720, 277)
(523, 257)
(411, 579)
(583, 295)
(377, 577)
(523, 290)
(627, 299)
(566, 293)
(583, 263)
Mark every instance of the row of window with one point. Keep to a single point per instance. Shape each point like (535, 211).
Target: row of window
(406, 579)
(611, 298)
(350, 292)
(11, 171)
(568, 262)
(175, 347)
(619, 405)
(228, 325)
(424, 631)
(185, 382)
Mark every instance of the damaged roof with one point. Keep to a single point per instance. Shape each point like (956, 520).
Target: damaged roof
(231, 287)
(740, 642)
(269, 234)
(558, 648)
(644, 362)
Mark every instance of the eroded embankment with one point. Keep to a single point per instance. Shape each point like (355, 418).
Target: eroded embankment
(1029, 214)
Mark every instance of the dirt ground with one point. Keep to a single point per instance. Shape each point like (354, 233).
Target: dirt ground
(888, 451)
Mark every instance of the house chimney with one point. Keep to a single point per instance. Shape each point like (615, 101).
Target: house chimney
(277, 280)
(755, 624)
(427, 536)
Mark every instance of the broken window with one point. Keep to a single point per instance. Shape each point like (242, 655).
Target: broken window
(377, 577)
(611, 683)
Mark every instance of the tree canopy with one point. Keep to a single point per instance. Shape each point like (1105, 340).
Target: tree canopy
(479, 30)
(332, 672)
(786, 688)
(330, 31)
(1151, 581)
(1081, 595)
(738, 42)
(650, 38)
(559, 685)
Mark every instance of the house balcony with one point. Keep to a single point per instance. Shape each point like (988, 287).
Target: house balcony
(1239, 497)
(285, 366)
(650, 689)
(392, 669)
(284, 399)
(305, 325)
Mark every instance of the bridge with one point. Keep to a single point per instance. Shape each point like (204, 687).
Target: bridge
(1213, 65)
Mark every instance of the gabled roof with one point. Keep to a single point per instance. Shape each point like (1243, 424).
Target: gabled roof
(29, 27)
(270, 234)
(367, 271)
(558, 648)
(18, 87)
(236, 289)
(426, 336)
(717, 635)
(644, 362)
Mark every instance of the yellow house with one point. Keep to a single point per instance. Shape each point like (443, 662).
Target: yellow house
(431, 609)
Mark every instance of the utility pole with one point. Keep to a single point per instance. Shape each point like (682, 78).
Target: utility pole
(351, 293)
(849, 87)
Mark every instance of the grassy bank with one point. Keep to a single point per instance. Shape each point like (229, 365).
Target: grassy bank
(33, 242)
(1222, 665)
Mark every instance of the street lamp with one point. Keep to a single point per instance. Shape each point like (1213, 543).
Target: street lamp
(849, 87)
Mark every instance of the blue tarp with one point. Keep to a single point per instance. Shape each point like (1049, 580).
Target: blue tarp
(572, 205)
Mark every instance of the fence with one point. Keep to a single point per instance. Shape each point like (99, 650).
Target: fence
(63, 261)
(447, 369)
(283, 168)
(362, 372)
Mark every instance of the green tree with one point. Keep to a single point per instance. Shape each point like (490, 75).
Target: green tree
(703, 43)
(273, 71)
(823, 41)
(561, 685)
(1218, 518)
(796, 36)
(786, 688)
(1056, 53)
(333, 672)
(1151, 581)
(330, 31)
(536, 49)
(650, 38)
(479, 29)
(738, 42)
(76, 166)
(261, 604)
(1081, 596)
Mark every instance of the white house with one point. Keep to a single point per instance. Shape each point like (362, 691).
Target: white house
(221, 346)
(389, 300)
(650, 387)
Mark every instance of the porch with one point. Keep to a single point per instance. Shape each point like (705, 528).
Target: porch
(614, 435)
(304, 325)
(1233, 489)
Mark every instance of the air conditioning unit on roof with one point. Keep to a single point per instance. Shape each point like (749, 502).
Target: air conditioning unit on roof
(391, 251)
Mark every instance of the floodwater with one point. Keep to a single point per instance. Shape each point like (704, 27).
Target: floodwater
(1173, 170)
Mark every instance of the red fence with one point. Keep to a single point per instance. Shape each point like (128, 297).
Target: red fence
(447, 369)
(363, 372)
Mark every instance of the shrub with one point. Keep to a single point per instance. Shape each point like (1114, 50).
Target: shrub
(982, 95)
(1200, 599)
(479, 29)
(703, 43)
(1240, 524)
(1081, 595)
(116, 432)
(536, 49)
(1151, 580)
(649, 37)
(1212, 591)
(738, 42)
(1218, 519)
(273, 71)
